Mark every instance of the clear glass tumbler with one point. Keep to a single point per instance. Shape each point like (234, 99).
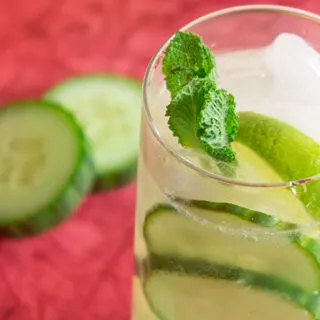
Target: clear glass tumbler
(236, 241)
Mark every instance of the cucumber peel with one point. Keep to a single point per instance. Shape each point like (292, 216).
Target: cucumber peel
(108, 108)
(289, 254)
(45, 167)
(180, 289)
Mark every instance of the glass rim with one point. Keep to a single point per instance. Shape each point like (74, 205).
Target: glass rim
(153, 63)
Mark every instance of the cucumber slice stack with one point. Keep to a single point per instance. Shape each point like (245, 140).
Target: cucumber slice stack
(194, 266)
(45, 167)
(291, 256)
(82, 137)
(108, 108)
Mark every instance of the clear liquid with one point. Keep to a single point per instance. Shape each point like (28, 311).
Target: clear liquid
(162, 178)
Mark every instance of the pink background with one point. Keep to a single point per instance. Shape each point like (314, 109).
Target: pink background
(82, 269)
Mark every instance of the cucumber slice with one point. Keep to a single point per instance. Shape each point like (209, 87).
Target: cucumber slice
(201, 290)
(234, 235)
(108, 107)
(45, 167)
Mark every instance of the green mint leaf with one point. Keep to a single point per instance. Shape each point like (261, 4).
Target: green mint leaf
(185, 59)
(203, 117)
(218, 123)
(200, 115)
(184, 110)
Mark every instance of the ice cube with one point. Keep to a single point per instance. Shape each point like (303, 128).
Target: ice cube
(295, 65)
(243, 73)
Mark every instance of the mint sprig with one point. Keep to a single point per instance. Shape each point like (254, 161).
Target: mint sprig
(187, 58)
(200, 115)
(203, 117)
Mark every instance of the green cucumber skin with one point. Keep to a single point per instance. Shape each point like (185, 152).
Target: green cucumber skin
(116, 179)
(154, 212)
(253, 216)
(272, 130)
(67, 198)
(311, 246)
(246, 214)
(309, 301)
(108, 179)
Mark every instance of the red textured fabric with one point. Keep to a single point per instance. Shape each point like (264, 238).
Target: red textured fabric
(82, 269)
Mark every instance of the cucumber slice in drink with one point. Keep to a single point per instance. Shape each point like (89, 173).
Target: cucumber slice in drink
(45, 167)
(201, 290)
(234, 235)
(108, 107)
(290, 152)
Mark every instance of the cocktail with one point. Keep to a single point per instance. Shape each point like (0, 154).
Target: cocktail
(228, 189)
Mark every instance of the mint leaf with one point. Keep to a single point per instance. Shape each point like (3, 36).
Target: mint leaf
(218, 123)
(200, 115)
(203, 117)
(184, 110)
(185, 59)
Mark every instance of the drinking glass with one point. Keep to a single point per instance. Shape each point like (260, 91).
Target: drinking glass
(235, 241)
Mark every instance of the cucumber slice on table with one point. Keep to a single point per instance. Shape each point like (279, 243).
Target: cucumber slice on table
(108, 107)
(267, 248)
(45, 167)
(200, 290)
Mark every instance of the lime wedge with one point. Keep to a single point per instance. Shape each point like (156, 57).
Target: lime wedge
(290, 152)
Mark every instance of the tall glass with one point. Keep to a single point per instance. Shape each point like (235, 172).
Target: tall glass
(227, 242)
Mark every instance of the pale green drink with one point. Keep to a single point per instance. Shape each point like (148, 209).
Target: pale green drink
(224, 241)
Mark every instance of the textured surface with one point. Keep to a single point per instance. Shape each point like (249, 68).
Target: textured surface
(82, 269)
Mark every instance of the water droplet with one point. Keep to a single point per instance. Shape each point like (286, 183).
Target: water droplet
(298, 189)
